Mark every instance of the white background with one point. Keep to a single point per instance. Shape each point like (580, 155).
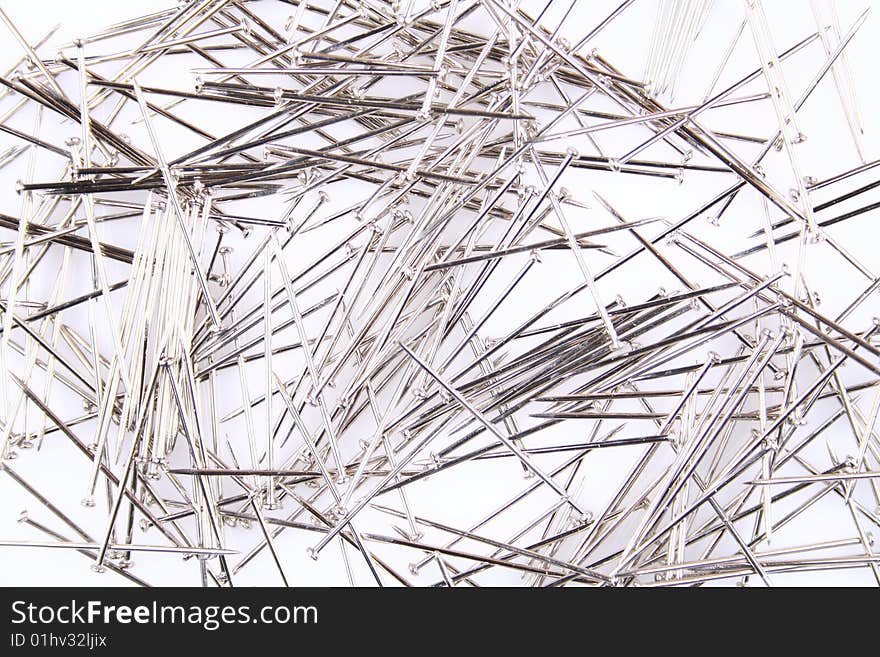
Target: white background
(58, 472)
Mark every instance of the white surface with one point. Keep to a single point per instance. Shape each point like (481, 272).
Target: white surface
(456, 496)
